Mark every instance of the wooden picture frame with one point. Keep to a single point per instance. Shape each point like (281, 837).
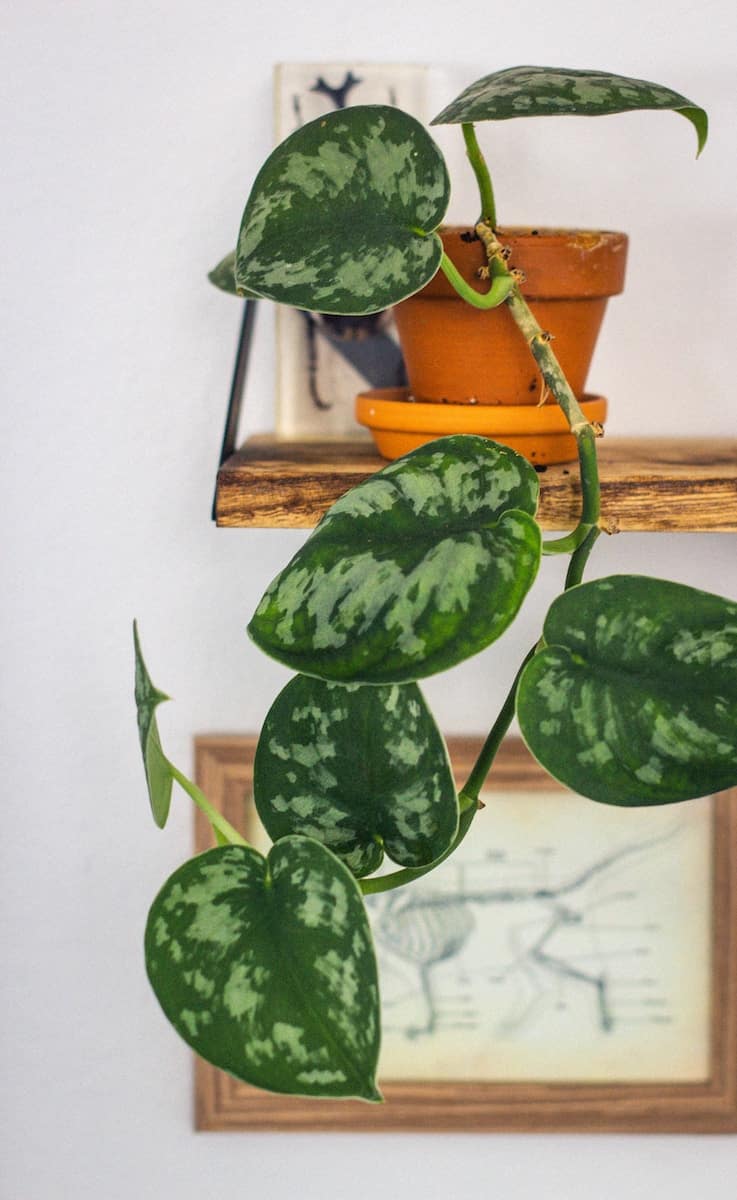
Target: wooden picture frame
(224, 767)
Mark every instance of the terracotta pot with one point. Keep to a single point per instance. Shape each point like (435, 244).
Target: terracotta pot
(399, 424)
(458, 354)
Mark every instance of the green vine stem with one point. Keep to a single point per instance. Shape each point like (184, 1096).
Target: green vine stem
(539, 343)
(579, 558)
(501, 286)
(481, 171)
(579, 543)
(387, 883)
(470, 793)
(584, 431)
(472, 788)
(225, 833)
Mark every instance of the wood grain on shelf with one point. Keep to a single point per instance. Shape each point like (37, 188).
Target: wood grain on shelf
(647, 484)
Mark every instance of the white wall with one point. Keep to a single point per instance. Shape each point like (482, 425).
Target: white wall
(132, 131)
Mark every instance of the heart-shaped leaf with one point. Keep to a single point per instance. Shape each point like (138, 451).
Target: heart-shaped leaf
(411, 572)
(155, 762)
(266, 968)
(557, 91)
(223, 276)
(634, 700)
(341, 216)
(361, 769)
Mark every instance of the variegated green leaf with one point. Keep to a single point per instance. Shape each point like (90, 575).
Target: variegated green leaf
(416, 569)
(557, 91)
(156, 765)
(634, 699)
(266, 968)
(361, 769)
(223, 276)
(342, 214)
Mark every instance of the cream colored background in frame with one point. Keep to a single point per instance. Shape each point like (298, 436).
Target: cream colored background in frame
(561, 894)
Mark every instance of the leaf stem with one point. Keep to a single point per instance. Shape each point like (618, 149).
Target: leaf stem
(481, 171)
(500, 289)
(224, 831)
(566, 544)
(579, 558)
(589, 473)
(477, 778)
(387, 883)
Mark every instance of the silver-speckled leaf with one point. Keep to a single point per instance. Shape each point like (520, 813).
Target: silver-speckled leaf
(557, 91)
(411, 572)
(156, 765)
(634, 700)
(223, 276)
(266, 968)
(361, 769)
(342, 214)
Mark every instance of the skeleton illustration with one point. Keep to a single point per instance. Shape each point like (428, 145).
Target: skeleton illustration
(425, 928)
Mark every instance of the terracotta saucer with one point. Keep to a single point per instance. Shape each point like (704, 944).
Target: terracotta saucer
(399, 424)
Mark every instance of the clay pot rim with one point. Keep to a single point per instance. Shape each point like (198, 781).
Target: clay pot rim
(572, 264)
(539, 233)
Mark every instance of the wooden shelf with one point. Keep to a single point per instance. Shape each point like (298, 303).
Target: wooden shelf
(647, 484)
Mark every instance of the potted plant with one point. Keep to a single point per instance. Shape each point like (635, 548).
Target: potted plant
(461, 342)
(265, 965)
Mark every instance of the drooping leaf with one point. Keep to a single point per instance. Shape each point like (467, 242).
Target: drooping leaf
(223, 276)
(411, 572)
(341, 216)
(266, 968)
(634, 699)
(156, 765)
(557, 91)
(361, 769)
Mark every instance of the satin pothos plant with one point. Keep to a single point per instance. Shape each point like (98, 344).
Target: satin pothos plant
(265, 964)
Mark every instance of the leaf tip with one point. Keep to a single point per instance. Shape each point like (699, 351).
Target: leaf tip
(142, 675)
(222, 275)
(699, 118)
(371, 1093)
(160, 814)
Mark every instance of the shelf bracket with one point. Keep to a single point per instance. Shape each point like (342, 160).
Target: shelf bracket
(237, 386)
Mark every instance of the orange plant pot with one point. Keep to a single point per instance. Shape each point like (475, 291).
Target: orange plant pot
(459, 354)
(399, 424)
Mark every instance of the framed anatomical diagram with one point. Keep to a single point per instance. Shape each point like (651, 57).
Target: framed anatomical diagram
(573, 966)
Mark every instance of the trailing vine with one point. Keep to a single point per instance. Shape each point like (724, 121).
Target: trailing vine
(265, 964)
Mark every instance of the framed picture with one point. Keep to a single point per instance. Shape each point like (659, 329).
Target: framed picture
(573, 967)
(324, 361)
